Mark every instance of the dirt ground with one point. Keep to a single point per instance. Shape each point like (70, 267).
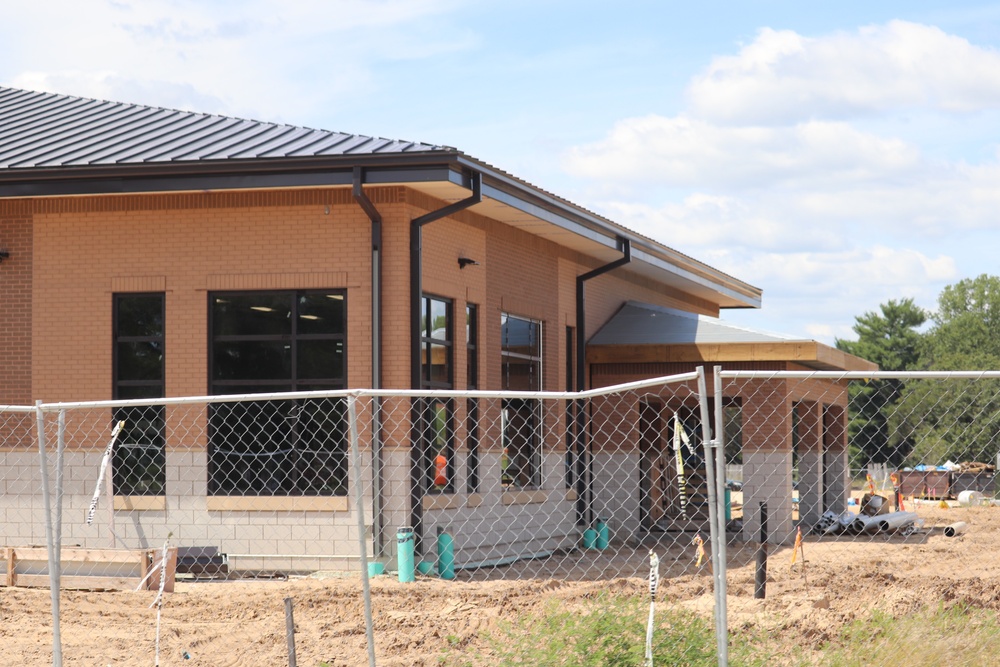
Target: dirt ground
(225, 623)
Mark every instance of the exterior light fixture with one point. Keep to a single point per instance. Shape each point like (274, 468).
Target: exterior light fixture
(4, 254)
(465, 261)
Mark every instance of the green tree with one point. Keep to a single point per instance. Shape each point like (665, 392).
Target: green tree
(889, 338)
(951, 419)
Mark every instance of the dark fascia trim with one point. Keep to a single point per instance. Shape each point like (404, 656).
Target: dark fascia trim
(448, 165)
(229, 175)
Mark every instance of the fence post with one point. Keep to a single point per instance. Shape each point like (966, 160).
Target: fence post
(50, 541)
(760, 574)
(722, 606)
(718, 573)
(359, 500)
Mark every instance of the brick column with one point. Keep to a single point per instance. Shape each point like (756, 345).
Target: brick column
(836, 467)
(810, 450)
(767, 462)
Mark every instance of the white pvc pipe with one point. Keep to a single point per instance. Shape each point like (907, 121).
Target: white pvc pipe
(955, 529)
(864, 524)
(895, 520)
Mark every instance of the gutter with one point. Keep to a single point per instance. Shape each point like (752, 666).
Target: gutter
(417, 462)
(378, 482)
(581, 441)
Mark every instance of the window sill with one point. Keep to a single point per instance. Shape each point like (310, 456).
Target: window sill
(525, 497)
(277, 503)
(141, 503)
(443, 501)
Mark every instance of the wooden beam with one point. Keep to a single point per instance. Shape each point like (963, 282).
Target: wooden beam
(808, 353)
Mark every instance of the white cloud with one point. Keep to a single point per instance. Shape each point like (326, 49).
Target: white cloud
(819, 294)
(685, 151)
(292, 61)
(784, 77)
(703, 221)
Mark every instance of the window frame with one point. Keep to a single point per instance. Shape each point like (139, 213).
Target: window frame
(472, 404)
(428, 342)
(526, 456)
(138, 447)
(433, 307)
(296, 425)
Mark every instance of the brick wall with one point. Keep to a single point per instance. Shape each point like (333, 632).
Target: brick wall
(15, 305)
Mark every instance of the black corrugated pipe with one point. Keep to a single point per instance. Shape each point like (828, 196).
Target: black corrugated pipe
(417, 467)
(584, 466)
(376, 380)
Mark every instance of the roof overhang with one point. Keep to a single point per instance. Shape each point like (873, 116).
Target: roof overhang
(445, 175)
(643, 333)
(810, 354)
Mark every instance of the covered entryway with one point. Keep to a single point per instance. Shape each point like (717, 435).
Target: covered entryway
(673, 494)
(784, 424)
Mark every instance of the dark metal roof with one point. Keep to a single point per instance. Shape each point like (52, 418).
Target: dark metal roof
(59, 145)
(49, 130)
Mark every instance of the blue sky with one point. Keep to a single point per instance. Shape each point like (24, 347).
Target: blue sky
(836, 155)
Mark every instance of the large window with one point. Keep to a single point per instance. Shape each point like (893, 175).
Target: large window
(138, 462)
(264, 342)
(436, 429)
(521, 368)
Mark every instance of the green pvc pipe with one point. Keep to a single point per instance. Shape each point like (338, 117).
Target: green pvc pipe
(446, 555)
(404, 555)
(603, 534)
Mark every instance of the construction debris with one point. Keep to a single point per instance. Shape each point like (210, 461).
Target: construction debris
(832, 523)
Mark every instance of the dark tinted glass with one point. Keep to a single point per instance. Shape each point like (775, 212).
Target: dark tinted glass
(252, 314)
(252, 360)
(321, 314)
(439, 363)
(140, 316)
(320, 359)
(520, 374)
(140, 361)
(519, 336)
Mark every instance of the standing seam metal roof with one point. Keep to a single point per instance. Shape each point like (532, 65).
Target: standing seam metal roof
(60, 131)
(64, 145)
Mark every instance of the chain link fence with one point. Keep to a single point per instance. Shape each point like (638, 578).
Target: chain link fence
(820, 471)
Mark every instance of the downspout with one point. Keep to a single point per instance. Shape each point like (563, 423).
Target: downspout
(417, 469)
(584, 465)
(378, 542)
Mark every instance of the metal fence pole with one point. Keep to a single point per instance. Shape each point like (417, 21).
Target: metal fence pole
(50, 541)
(722, 609)
(359, 499)
(713, 500)
(58, 523)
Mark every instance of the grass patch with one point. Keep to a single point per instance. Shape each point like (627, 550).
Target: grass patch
(955, 635)
(610, 634)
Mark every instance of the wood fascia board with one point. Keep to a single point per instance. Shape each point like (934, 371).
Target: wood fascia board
(808, 353)
(801, 351)
(841, 360)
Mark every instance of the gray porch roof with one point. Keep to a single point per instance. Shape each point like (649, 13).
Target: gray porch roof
(644, 333)
(644, 324)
